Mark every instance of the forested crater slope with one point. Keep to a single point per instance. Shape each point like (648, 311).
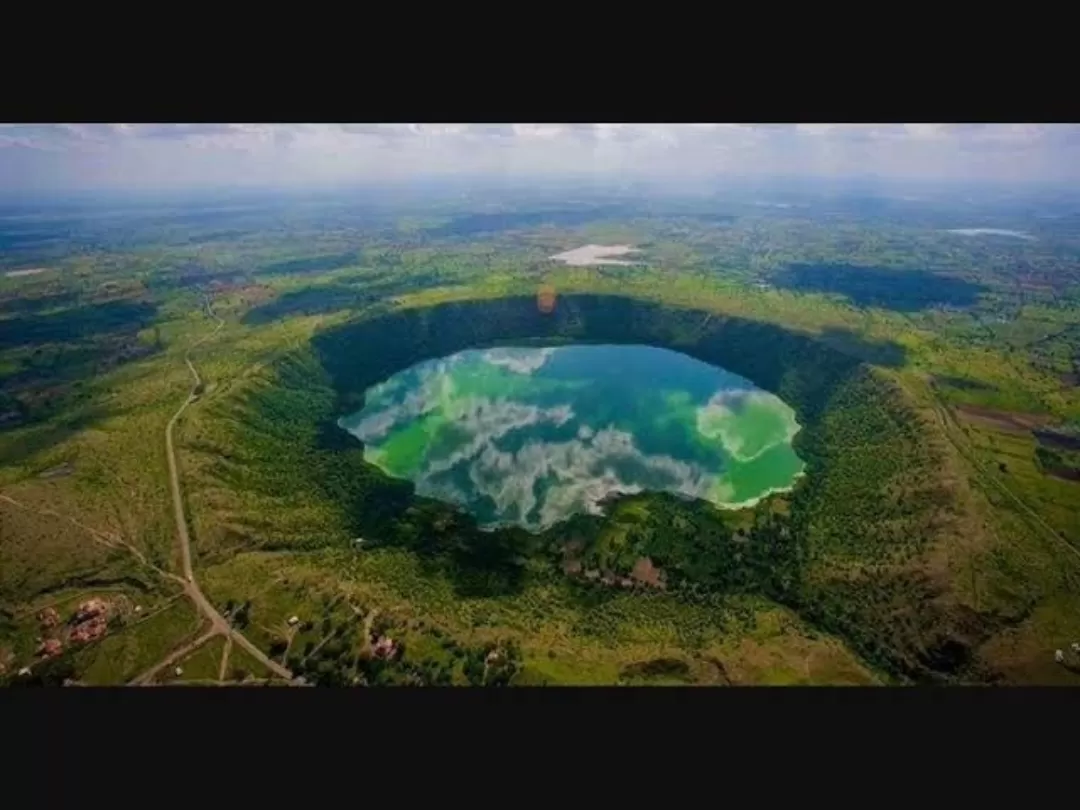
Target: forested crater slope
(851, 549)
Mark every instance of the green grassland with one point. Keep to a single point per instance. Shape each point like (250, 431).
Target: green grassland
(124, 654)
(243, 669)
(927, 545)
(562, 637)
(200, 668)
(135, 601)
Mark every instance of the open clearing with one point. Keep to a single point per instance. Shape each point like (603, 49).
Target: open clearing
(595, 254)
(991, 232)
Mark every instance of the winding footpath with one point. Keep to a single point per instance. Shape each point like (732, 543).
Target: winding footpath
(219, 625)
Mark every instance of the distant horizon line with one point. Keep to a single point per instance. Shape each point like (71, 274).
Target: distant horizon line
(486, 183)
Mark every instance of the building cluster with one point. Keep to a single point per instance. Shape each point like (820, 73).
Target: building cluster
(50, 648)
(89, 622)
(90, 609)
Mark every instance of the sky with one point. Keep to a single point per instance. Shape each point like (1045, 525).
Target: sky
(117, 157)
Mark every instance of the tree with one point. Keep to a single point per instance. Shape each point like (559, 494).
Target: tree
(242, 616)
(52, 672)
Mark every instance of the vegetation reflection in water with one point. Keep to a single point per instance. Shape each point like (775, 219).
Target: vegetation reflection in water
(531, 436)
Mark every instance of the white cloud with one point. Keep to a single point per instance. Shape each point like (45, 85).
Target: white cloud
(579, 473)
(930, 131)
(519, 361)
(176, 155)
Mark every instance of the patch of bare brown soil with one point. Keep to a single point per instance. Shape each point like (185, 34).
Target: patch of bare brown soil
(1009, 421)
(253, 294)
(644, 571)
(719, 672)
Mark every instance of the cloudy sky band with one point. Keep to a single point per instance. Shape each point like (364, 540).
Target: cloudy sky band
(120, 156)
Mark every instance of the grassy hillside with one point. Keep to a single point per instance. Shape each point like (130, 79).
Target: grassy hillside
(851, 551)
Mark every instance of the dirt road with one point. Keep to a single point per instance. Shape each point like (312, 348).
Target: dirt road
(174, 475)
(219, 624)
(176, 655)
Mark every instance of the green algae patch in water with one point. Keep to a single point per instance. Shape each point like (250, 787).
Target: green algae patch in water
(531, 436)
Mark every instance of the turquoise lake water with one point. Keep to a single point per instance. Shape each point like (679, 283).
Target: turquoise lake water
(530, 436)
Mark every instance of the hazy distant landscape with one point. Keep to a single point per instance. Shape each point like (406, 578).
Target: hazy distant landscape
(366, 422)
